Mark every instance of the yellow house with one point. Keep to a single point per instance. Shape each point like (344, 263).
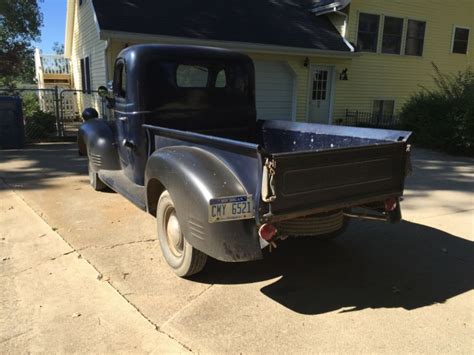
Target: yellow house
(315, 60)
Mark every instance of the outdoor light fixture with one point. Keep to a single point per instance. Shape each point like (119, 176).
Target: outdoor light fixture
(306, 62)
(343, 75)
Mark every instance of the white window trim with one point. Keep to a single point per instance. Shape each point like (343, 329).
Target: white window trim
(385, 99)
(378, 45)
(454, 34)
(332, 91)
(407, 19)
(404, 33)
(402, 39)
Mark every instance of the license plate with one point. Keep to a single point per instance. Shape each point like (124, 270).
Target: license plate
(231, 208)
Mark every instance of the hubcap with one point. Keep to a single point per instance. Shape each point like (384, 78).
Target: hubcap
(173, 234)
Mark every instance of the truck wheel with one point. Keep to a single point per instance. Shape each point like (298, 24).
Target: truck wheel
(95, 181)
(178, 253)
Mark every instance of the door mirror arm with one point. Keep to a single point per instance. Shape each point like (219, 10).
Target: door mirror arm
(110, 102)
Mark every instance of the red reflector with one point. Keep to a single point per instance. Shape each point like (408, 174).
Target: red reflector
(390, 204)
(267, 232)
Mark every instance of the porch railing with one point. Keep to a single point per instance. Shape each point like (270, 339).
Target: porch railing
(369, 119)
(55, 64)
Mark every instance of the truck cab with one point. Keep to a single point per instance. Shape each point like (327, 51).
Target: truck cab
(185, 145)
(183, 88)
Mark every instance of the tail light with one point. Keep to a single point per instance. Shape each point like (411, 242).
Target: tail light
(267, 232)
(391, 204)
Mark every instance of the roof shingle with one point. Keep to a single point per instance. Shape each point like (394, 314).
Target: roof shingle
(286, 23)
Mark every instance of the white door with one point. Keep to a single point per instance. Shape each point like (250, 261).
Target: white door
(274, 88)
(320, 94)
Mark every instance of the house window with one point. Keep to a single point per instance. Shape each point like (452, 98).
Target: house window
(86, 75)
(415, 38)
(320, 85)
(383, 109)
(368, 32)
(460, 40)
(392, 35)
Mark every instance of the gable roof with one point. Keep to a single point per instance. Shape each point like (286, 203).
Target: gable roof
(285, 23)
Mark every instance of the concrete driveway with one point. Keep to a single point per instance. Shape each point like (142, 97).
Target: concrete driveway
(378, 288)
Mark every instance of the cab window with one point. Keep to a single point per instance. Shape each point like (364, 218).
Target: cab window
(192, 76)
(120, 80)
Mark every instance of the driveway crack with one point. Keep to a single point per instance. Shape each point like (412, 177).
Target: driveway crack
(191, 301)
(132, 242)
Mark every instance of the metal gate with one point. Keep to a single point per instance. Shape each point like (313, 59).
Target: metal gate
(69, 101)
(53, 113)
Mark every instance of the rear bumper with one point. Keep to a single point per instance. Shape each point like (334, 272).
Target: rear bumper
(271, 217)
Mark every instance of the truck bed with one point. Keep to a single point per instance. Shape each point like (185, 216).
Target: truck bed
(321, 168)
(318, 168)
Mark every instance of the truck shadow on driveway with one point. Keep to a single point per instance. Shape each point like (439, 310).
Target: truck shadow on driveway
(404, 266)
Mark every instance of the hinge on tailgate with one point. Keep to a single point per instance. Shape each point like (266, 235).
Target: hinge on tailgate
(268, 182)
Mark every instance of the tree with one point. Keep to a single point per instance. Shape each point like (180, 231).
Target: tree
(20, 24)
(58, 48)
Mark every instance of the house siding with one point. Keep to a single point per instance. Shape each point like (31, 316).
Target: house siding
(86, 42)
(371, 76)
(388, 76)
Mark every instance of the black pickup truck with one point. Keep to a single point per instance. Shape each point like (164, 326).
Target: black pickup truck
(185, 145)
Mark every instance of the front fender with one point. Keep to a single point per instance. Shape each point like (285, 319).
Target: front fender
(193, 177)
(96, 139)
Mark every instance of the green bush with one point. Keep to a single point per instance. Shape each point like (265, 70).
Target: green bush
(40, 124)
(30, 103)
(443, 118)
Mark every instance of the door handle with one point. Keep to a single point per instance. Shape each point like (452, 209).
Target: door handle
(123, 118)
(129, 144)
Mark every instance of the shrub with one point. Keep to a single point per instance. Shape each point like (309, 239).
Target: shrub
(40, 124)
(443, 118)
(30, 103)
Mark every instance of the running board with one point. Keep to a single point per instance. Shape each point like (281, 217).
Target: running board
(117, 181)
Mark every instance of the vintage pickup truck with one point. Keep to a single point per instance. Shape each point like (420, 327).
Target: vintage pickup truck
(184, 144)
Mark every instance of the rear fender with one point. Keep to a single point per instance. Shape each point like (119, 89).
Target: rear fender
(96, 139)
(193, 177)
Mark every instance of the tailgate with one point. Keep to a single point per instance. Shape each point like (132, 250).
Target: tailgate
(321, 181)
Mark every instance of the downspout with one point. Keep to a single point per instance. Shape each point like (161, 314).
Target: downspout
(106, 60)
(105, 111)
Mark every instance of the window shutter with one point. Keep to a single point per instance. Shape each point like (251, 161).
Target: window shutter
(83, 76)
(88, 75)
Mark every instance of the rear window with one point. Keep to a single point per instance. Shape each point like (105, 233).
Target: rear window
(192, 76)
(194, 84)
(197, 76)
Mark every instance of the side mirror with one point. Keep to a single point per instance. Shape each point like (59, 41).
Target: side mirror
(104, 94)
(103, 91)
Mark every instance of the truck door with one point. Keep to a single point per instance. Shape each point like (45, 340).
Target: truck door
(122, 116)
